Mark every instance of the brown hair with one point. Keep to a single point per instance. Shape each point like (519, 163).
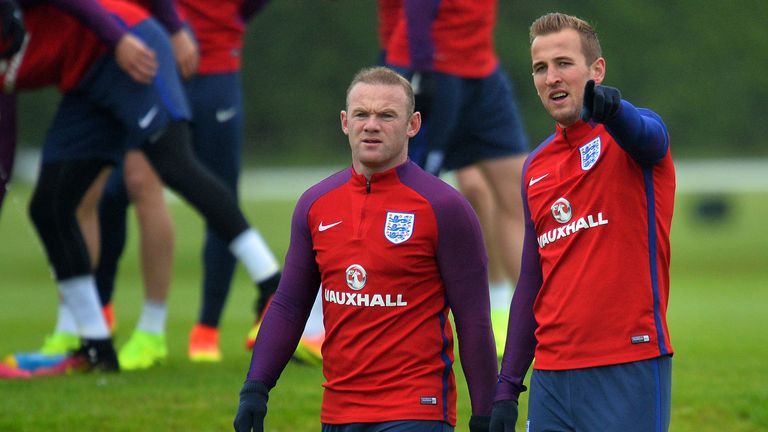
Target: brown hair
(384, 76)
(556, 21)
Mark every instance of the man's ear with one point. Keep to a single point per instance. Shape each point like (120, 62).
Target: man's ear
(597, 70)
(414, 125)
(344, 127)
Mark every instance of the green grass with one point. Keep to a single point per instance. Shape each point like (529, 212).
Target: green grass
(717, 319)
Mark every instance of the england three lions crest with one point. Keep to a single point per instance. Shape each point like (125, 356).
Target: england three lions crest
(590, 152)
(399, 226)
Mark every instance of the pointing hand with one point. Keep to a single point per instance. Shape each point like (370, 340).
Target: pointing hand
(600, 102)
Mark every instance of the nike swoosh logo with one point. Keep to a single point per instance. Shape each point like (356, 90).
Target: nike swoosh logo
(322, 227)
(226, 114)
(536, 180)
(148, 117)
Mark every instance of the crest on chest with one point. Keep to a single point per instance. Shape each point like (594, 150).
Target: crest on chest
(590, 152)
(398, 226)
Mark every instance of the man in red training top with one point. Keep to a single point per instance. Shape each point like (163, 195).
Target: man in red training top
(396, 249)
(591, 301)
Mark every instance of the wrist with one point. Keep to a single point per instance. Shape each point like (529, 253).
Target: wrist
(255, 387)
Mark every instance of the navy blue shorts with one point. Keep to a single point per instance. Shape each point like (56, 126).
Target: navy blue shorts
(479, 119)
(392, 426)
(109, 112)
(630, 397)
(217, 128)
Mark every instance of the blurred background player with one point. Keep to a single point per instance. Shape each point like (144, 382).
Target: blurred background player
(135, 179)
(216, 102)
(216, 99)
(472, 123)
(146, 189)
(396, 249)
(147, 344)
(98, 93)
(592, 298)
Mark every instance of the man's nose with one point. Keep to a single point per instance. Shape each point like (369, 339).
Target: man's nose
(371, 123)
(553, 76)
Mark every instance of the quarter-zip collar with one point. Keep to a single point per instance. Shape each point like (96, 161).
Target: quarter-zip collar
(575, 134)
(377, 182)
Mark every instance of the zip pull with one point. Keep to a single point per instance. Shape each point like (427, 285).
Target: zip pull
(367, 185)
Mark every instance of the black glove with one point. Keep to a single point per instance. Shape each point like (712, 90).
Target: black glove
(424, 87)
(600, 102)
(479, 423)
(503, 416)
(13, 27)
(252, 408)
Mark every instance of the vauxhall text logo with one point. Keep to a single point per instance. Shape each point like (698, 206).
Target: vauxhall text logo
(562, 211)
(356, 278)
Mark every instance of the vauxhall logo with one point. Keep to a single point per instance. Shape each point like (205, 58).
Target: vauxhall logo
(357, 277)
(562, 211)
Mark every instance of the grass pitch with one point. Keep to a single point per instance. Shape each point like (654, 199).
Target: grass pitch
(717, 319)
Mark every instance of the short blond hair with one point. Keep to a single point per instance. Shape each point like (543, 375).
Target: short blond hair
(556, 21)
(384, 76)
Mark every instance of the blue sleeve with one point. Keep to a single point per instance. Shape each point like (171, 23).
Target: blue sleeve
(287, 314)
(640, 132)
(462, 262)
(419, 16)
(521, 340)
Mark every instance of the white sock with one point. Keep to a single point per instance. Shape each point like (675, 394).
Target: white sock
(501, 294)
(315, 325)
(152, 318)
(65, 322)
(251, 250)
(80, 297)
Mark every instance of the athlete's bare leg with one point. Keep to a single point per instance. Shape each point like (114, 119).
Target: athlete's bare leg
(145, 191)
(88, 215)
(503, 176)
(475, 188)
